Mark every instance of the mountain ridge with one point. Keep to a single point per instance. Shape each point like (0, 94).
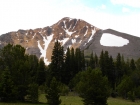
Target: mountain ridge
(75, 33)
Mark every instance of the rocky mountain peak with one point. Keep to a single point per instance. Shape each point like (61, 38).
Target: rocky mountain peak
(69, 32)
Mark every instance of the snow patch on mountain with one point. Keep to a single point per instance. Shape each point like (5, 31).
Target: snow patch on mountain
(34, 36)
(64, 24)
(76, 36)
(68, 32)
(91, 37)
(113, 40)
(86, 31)
(46, 44)
(63, 41)
(73, 41)
(74, 25)
(80, 41)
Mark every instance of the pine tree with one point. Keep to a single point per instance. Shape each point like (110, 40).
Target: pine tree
(119, 68)
(72, 62)
(82, 60)
(22, 70)
(132, 65)
(92, 61)
(96, 61)
(101, 62)
(112, 73)
(57, 61)
(41, 74)
(7, 90)
(33, 70)
(33, 92)
(78, 60)
(66, 74)
(107, 65)
(53, 93)
(92, 87)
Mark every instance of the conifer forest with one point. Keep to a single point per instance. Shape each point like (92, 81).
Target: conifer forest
(93, 78)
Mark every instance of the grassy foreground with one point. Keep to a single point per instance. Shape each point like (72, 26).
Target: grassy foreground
(75, 100)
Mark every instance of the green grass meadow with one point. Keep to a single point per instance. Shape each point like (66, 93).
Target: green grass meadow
(75, 100)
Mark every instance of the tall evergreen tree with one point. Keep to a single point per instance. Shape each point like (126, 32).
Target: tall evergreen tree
(112, 73)
(119, 68)
(33, 70)
(92, 61)
(41, 73)
(78, 60)
(132, 64)
(72, 62)
(101, 62)
(107, 65)
(82, 60)
(57, 61)
(66, 74)
(7, 90)
(96, 60)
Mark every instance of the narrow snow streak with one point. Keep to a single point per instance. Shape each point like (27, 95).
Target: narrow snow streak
(34, 36)
(113, 40)
(46, 44)
(86, 31)
(63, 41)
(91, 37)
(80, 41)
(64, 24)
(74, 25)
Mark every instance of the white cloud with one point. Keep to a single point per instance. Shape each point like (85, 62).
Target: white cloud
(103, 6)
(132, 3)
(124, 9)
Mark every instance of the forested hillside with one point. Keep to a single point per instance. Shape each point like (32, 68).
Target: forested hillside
(23, 76)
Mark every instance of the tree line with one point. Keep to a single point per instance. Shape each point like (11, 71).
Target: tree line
(95, 78)
(20, 74)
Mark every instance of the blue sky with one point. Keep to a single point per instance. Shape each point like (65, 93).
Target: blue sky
(121, 15)
(113, 7)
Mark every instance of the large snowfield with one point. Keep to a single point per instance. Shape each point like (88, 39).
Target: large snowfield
(113, 40)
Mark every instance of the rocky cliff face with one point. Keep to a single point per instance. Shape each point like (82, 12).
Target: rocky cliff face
(69, 32)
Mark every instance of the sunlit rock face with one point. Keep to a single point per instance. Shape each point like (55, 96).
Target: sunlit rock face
(74, 33)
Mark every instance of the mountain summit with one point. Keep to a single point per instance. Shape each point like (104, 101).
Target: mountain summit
(69, 32)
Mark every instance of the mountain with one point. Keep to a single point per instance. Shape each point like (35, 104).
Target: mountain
(69, 32)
